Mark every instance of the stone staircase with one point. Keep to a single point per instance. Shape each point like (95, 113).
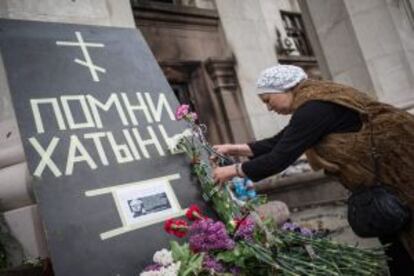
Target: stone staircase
(316, 201)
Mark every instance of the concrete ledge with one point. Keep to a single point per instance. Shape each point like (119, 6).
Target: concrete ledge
(303, 190)
(290, 182)
(15, 189)
(11, 148)
(25, 225)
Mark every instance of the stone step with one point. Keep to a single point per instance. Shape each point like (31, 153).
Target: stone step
(303, 190)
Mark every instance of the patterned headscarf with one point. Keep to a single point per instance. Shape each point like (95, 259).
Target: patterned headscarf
(279, 78)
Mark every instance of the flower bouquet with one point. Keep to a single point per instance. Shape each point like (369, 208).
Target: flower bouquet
(242, 242)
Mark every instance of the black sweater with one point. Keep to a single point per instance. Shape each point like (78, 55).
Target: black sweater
(308, 125)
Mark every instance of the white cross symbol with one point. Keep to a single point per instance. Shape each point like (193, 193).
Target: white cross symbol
(84, 47)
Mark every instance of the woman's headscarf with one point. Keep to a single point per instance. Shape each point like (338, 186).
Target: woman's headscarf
(279, 78)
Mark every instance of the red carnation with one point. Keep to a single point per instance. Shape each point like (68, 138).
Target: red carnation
(176, 227)
(194, 213)
(241, 221)
(167, 225)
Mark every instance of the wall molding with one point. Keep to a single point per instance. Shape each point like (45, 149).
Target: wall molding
(173, 14)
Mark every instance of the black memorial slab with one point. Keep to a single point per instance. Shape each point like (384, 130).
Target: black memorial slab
(95, 114)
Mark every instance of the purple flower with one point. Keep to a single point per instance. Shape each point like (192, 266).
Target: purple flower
(235, 271)
(288, 226)
(213, 265)
(306, 232)
(245, 229)
(208, 235)
(153, 267)
(292, 227)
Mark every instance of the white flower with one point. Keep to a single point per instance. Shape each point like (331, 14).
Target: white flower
(174, 141)
(150, 273)
(171, 270)
(163, 257)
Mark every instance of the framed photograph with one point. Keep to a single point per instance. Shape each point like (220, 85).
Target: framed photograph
(143, 203)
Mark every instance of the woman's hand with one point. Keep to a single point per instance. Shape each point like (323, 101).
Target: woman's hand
(225, 149)
(223, 174)
(233, 149)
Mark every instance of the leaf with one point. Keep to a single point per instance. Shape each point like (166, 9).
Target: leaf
(194, 265)
(180, 252)
(232, 256)
(226, 256)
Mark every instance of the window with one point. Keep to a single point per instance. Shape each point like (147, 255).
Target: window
(183, 95)
(136, 2)
(295, 30)
(163, 1)
(180, 3)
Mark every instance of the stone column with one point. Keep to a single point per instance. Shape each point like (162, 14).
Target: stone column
(365, 44)
(231, 105)
(247, 35)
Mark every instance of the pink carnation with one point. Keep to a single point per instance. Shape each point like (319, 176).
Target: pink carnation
(182, 111)
(194, 116)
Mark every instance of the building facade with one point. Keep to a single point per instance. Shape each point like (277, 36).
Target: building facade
(211, 52)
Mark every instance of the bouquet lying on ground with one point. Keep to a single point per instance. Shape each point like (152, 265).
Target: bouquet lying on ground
(242, 242)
